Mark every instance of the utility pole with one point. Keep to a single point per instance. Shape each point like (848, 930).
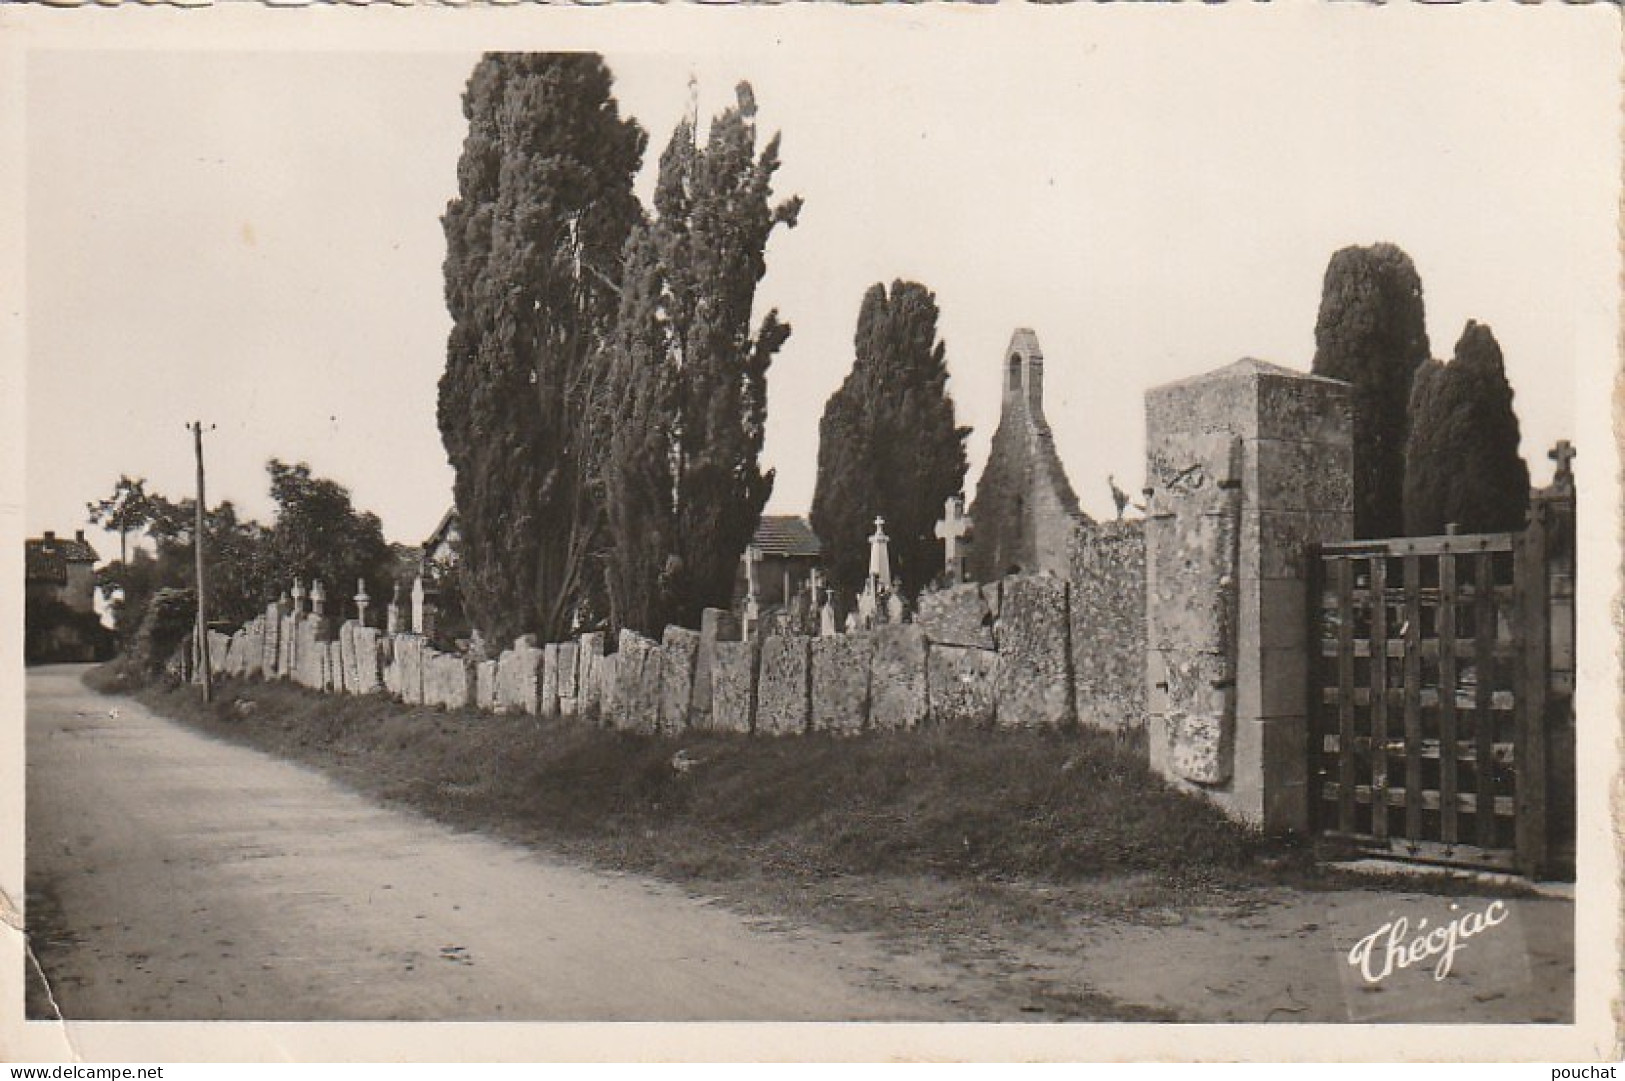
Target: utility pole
(197, 546)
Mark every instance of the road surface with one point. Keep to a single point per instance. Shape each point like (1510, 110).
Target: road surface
(176, 877)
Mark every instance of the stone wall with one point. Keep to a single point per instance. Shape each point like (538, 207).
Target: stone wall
(1004, 652)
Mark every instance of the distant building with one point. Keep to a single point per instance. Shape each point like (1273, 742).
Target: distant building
(785, 551)
(1025, 509)
(60, 570)
(441, 547)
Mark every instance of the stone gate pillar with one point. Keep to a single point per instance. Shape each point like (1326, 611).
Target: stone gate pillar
(1246, 467)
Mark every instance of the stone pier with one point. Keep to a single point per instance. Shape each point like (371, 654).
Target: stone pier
(1246, 467)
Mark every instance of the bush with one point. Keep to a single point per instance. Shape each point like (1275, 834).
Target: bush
(168, 620)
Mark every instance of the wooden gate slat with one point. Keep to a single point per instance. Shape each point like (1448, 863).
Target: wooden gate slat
(1483, 716)
(1345, 686)
(1529, 740)
(1379, 693)
(1413, 696)
(1446, 628)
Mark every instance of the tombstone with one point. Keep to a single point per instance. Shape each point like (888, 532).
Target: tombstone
(423, 608)
(826, 616)
(753, 592)
(1246, 468)
(753, 619)
(569, 680)
(318, 599)
(954, 531)
(894, 604)
(854, 622)
(395, 613)
(590, 674)
(361, 601)
(298, 597)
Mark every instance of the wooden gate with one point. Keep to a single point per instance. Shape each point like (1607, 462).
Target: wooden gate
(1431, 695)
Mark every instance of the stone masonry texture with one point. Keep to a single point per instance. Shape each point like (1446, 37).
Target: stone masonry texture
(897, 693)
(961, 682)
(783, 687)
(1107, 606)
(958, 616)
(681, 649)
(1034, 684)
(840, 681)
(733, 686)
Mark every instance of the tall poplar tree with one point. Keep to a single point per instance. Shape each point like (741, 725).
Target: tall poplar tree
(887, 443)
(1372, 333)
(1462, 464)
(686, 476)
(533, 245)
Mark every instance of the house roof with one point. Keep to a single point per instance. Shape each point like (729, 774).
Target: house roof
(46, 559)
(444, 531)
(786, 535)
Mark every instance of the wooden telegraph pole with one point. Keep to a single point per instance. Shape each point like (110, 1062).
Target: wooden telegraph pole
(197, 546)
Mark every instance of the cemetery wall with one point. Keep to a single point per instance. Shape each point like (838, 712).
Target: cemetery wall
(1026, 651)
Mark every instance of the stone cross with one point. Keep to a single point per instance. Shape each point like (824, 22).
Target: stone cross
(1562, 454)
(298, 597)
(361, 601)
(951, 531)
(283, 604)
(753, 617)
(318, 598)
(753, 556)
(815, 586)
(879, 556)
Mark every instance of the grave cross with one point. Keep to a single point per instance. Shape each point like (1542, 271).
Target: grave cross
(361, 601)
(952, 530)
(1562, 454)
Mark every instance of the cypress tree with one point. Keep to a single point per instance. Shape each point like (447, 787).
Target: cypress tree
(887, 442)
(691, 375)
(1462, 460)
(1372, 333)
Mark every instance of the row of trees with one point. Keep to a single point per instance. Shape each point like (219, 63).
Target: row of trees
(317, 533)
(605, 393)
(1434, 443)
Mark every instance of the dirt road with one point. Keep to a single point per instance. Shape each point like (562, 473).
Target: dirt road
(176, 877)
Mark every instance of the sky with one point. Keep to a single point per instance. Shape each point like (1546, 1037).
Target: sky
(252, 238)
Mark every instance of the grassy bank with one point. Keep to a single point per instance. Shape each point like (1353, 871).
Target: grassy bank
(961, 805)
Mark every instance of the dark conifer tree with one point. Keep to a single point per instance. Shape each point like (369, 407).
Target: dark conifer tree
(1462, 464)
(1372, 333)
(887, 442)
(533, 246)
(692, 376)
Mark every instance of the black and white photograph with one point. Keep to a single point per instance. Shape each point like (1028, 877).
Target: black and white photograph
(1064, 523)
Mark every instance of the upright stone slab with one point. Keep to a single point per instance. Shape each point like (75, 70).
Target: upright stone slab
(569, 680)
(589, 674)
(961, 682)
(716, 625)
(636, 708)
(733, 686)
(1107, 606)
(269, 662)
(1246, 466)
(958, 616)
(681, 647)
(840, 681)
(547, 701)
(409, 651)
(1035, 681)
(651, 679)
(609, 687)
(334, 678)
(347, 656)
(897, 695)
(783, 692)
(366, 660)
(485, 687)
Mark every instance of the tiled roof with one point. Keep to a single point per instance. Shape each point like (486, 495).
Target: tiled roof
(47, 560)
(786, 535)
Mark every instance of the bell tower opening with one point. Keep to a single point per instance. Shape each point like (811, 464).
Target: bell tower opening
(1014, 382)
